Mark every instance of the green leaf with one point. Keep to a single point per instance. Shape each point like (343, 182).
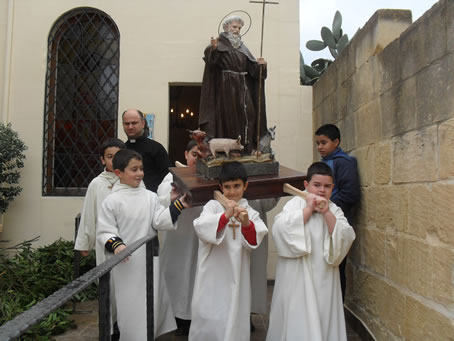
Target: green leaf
(343, 41)
(311, 72)
(321, 64)
(306, 81)
(328, 37)
(314, 80)
(337, 23)
(302, 73)
(315, 45)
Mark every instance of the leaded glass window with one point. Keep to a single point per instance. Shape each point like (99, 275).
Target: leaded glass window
(81, 104)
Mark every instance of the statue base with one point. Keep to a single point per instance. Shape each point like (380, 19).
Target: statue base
(255, 165)
(260, 186)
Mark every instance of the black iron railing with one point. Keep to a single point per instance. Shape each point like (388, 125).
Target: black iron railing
(19, 325)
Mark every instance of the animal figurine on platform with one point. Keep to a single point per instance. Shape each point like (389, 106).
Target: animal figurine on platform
(265, 142)
(202, 142)
(225, 145)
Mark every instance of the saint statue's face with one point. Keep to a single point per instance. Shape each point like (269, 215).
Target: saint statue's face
(235, 28)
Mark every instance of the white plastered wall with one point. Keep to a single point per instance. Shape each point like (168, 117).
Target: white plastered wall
(160, 42)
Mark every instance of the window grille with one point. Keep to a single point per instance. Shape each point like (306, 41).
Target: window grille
(81, 103)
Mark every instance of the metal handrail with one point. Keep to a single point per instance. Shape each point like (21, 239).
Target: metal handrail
(21, 323)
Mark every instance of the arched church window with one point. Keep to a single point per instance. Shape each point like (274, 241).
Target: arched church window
(81, 104)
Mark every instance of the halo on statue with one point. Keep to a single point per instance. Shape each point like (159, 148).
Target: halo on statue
(236, 12)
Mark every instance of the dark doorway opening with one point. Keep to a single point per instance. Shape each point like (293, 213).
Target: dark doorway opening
(184, 101)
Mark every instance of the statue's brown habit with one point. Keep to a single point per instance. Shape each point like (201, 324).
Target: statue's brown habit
(229, 97)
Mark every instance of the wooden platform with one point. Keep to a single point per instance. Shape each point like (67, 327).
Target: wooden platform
(260, 186)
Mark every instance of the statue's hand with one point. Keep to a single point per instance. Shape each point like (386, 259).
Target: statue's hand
(214, 42)
(261, 60)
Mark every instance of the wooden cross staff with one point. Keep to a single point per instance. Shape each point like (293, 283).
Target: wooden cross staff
(263, 2)
(259, 111)
(223, 201)
(289, 189)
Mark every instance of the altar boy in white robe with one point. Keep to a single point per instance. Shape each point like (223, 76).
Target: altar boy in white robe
(221, 302)
(178, 256)
(129, 213)
(312, 237)
(98, 189)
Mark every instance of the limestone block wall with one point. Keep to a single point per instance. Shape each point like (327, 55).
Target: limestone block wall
(391, 92)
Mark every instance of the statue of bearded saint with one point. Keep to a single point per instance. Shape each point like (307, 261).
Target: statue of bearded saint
(230, 89)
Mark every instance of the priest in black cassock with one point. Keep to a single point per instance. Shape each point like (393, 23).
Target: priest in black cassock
(156, 161)
(229, 97)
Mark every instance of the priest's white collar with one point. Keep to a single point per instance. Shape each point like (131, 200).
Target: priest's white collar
(135, 139)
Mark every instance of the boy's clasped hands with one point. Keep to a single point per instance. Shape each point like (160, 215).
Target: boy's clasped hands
(317, 203)
(232, 209)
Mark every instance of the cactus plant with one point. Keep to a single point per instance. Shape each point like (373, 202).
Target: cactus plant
(334, 39)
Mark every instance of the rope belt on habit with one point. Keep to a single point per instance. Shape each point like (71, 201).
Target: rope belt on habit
(237, 73)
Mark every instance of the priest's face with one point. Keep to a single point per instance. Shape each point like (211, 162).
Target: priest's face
(133, 173)
(107, 158)
(133, 124)
(321, 185)
(234, 189)
(191, 156)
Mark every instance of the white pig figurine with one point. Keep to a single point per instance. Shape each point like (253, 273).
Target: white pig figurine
(225, 145)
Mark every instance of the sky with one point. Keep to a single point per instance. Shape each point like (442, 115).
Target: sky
(355, 14)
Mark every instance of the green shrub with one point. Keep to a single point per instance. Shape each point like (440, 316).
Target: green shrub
(29, 275)
(11, 160)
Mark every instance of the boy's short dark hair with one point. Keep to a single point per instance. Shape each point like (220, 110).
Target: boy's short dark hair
(231, 171)
(122, 158)
(191, 144)
(329, 130)
(319, 168)
(112, 142)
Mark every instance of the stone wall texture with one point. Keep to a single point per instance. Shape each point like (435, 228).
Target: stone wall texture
(391, 93)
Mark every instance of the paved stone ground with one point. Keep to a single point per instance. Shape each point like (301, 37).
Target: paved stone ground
(86, 318)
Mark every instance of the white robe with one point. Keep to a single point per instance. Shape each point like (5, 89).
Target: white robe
(178, 256)
(221, 303)
(132, 213)
(307, 299)
(259, 258)
(98, 189)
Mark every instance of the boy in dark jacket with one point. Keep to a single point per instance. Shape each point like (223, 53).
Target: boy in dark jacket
(346, 192)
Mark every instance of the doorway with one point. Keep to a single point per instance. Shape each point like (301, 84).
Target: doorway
(184, 101)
